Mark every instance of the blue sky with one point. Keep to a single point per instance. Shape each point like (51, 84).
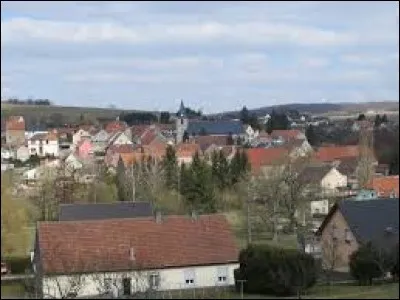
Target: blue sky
(214, 55)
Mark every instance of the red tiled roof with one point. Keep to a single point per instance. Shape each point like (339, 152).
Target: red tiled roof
(148, 136)
(385, 186)
(331, 153)
(115, 126)
(259, 157)
(15, 123)
(122, 244)
(138, 130)
(187, 150)
(207, 140)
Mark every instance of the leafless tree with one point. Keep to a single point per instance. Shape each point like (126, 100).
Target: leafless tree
(331, 258)
(365, 168)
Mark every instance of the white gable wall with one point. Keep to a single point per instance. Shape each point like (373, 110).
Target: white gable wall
(170, 279)
(333, 180)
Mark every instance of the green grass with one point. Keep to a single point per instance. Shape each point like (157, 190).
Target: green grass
(12, 289)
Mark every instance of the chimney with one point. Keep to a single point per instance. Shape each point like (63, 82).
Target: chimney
(158, 217)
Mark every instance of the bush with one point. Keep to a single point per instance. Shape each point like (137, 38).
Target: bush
(367, 263)
(17, 265)
(269, 270)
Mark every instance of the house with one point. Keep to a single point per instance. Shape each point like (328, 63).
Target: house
(101, 211)
(334, 153)
(22, 153)
(298, 148)
(263, 160)
(205, 141)
(287, 135)
(84, 149)
(185, 152)
(44, 144)
(7, 153)
(385, 186)
(115, 126)
(131, 255)
(80, 134)
(351, 223)
(120, 138)
(15, 130)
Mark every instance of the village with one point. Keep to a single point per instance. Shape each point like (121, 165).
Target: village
(164, 209)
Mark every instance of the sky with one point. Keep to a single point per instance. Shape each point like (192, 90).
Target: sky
(216, 56)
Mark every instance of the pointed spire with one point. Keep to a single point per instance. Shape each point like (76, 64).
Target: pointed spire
(182, 110)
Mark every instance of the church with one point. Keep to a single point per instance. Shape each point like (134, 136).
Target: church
(195, 127)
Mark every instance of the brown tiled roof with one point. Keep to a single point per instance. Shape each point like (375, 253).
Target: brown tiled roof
(314, 174)
(187, 150)
(348, 166)
(138, 130)
(148, 136)
(385, 186)
(115, 126)
(208, 140)
(259, 157)
(15, 123)
(122, 244)
(332, 153)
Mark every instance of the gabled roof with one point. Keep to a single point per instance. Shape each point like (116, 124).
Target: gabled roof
(369, 220)
(348, 166)
(287, 134)
(331, 153)
(314, 174)
(138, 130)
(15, 123)
(207, 140)
(220, 127)
(385, 186)
(120, 210)
(187, 150)
(259, 157)
(122, 244)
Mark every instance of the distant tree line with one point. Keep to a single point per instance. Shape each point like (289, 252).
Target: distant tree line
(29, 101)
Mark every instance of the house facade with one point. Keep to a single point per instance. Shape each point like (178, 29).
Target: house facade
(135, 255)
(15, 130)
(43, 144)
(22, 153)
(353, 222)
(80, 135)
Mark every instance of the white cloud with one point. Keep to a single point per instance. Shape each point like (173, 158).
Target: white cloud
(23, 29)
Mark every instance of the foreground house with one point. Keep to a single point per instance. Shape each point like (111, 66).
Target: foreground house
(101, 211)
(127, 256)
(351, 223)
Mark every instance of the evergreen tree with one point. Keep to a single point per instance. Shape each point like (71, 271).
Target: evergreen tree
(361, 117)
(311, 136)
(220, 169)
(378, 121)
(244, 115)
(269, 126)
(229, 140)
(121, 181)
(170, 167)
(384, 119)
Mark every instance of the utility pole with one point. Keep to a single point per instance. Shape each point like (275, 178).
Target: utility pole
(241, 281)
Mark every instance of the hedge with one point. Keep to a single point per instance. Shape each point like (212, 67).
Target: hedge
(17, 264)
(275, 271)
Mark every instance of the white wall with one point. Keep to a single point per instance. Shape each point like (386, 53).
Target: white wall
(170, 279)
(320, 207)
(50, 148)
(333, 180)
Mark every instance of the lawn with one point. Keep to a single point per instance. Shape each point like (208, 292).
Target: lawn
(12, 289)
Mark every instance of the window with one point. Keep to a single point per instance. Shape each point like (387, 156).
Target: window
(189, 277)
(154, 281)
(47, 142)
(126, 283)
(222, 275)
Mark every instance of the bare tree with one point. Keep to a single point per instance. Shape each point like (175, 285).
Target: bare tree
(365, 168)
(331, 258)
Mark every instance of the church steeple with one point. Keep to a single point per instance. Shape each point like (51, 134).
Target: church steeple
(182, 111)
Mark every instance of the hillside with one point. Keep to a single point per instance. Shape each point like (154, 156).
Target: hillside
(34, 113)
(320, 108)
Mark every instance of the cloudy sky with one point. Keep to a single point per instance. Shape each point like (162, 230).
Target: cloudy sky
(213, 55)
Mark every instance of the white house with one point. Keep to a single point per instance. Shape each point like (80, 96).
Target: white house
(326, 179)
(22, 153)
(120, 138)
(7, 153)
(135, 255)
(43, 144)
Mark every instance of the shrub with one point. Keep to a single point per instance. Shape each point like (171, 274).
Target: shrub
(367, 263)
(269, 270)
(17, 264)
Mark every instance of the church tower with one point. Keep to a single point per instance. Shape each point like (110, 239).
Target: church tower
(182, 123)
